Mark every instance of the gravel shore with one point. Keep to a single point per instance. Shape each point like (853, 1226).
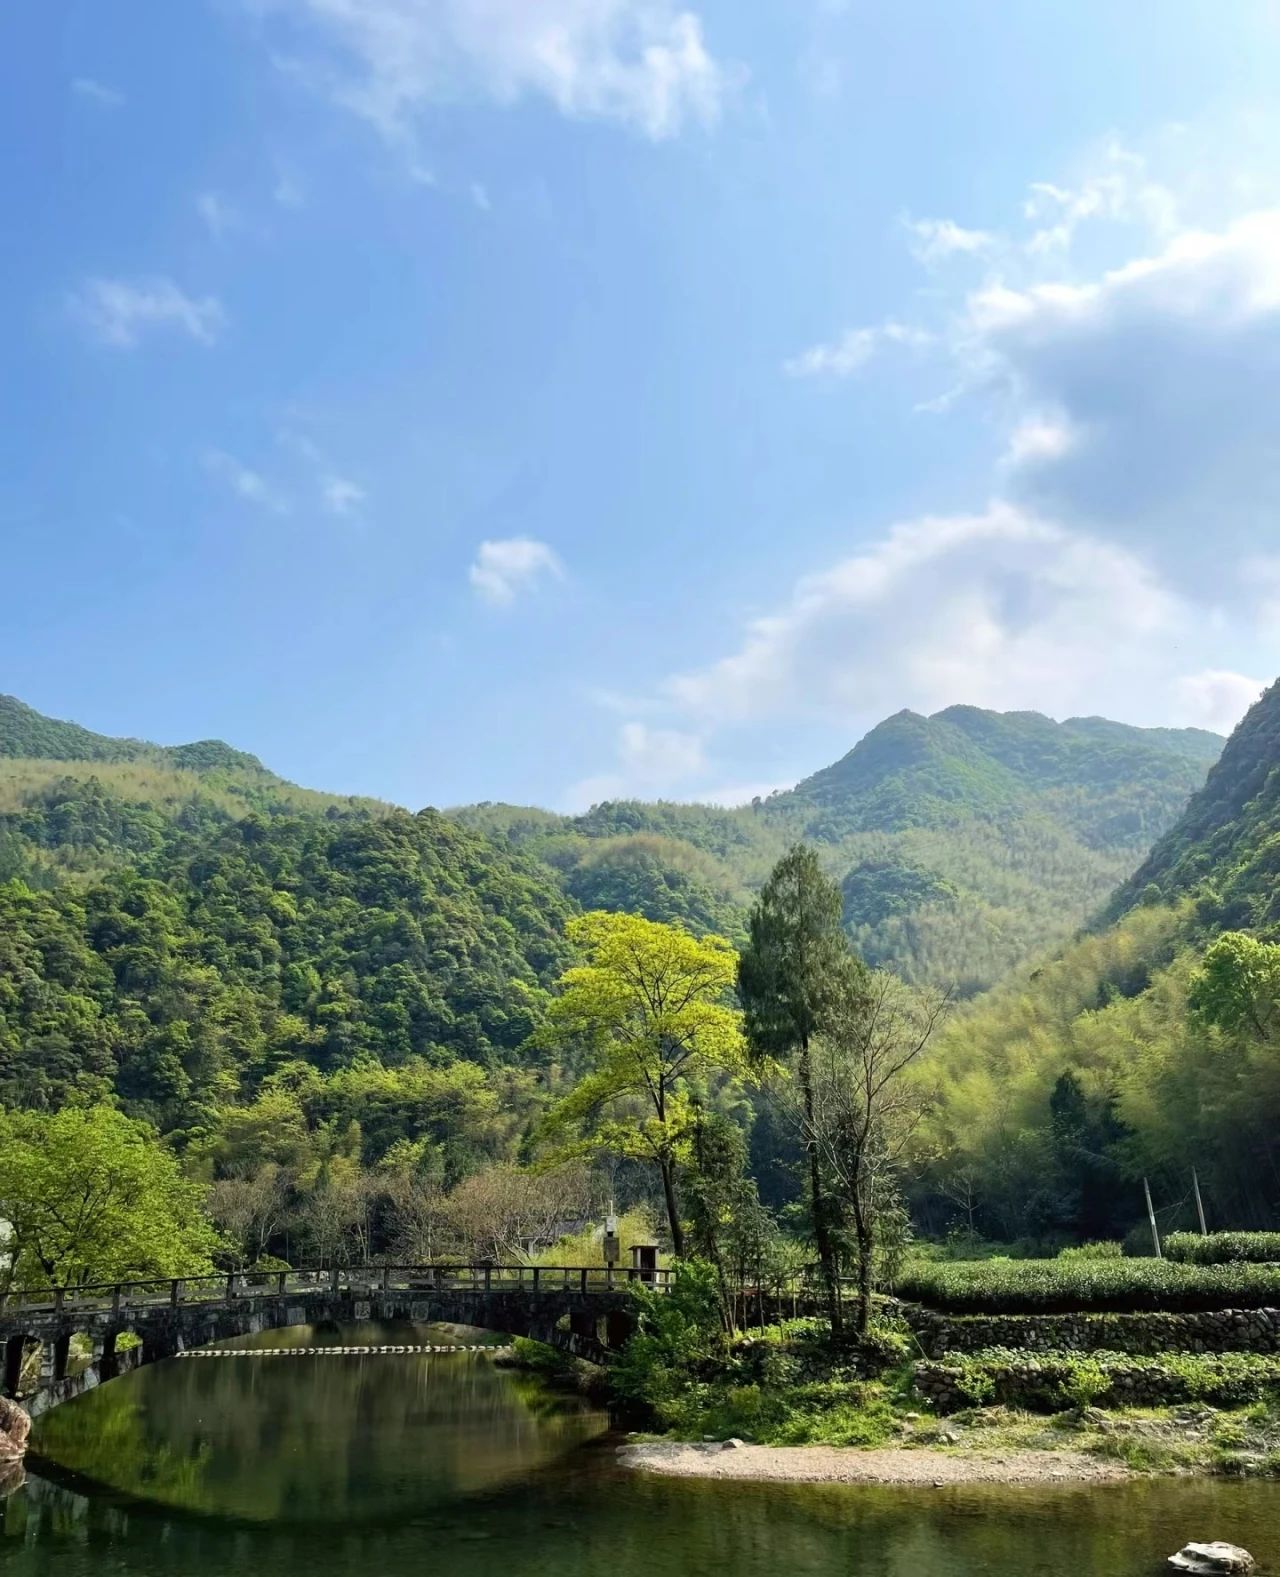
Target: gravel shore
(856, 1465)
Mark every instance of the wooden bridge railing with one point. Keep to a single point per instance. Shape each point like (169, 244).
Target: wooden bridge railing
(234, 1286)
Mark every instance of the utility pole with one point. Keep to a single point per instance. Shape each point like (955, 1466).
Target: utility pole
(1195, 1184)
(1151, 1217)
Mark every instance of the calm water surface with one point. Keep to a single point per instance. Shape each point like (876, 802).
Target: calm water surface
(401, 1466)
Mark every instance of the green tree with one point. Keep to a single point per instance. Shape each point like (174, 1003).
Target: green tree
(91, 1196)
(649, 1007)
(1238, 989)
(796, 976)
(728, 1224)
(864, 1110)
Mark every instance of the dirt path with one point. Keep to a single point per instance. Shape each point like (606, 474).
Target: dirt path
(856, 1465)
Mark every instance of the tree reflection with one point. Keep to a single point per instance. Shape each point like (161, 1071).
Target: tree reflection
(315, 1439)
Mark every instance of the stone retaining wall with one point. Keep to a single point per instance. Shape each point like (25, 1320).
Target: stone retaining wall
(1149, 1335)
(1045, 1384)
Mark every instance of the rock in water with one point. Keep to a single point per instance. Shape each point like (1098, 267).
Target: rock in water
(15, 1426)
(1212, 1559)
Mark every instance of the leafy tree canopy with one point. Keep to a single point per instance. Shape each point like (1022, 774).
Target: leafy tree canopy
(91, 1197)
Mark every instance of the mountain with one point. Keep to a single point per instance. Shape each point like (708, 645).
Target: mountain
(76, 803)
(964, 842)
(1145, 1048)
(185, 933)
(278, 953)
(279, 977)
(1111, 783)
(26, 733)
(1227, 844)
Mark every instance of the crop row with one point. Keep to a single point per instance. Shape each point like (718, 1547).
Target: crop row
(1224, 1248)
(1052, 1286)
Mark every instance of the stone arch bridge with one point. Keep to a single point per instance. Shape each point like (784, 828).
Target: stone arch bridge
(583, 1310)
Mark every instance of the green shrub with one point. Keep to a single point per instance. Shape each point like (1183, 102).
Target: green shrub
(1066, 1286)
(1091, 1251)
(678, 1333)
(1224, 1248)
(839, 1412)
(1087, 1381)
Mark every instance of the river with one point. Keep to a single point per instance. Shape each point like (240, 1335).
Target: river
(399, 1466)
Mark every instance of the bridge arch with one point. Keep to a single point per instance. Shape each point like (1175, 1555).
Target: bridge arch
(585, 1312)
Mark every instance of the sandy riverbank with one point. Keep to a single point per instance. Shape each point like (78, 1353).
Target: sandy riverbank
(857, 1465)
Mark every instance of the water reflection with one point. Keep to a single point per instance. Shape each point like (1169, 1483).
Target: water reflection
(315, 1439)
(336, 1467)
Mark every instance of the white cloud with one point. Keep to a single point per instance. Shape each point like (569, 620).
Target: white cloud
(120, 311)
(1162, 374)
(649, 761)
(341, 495)
(1216, 698)
(246, 483)
(998, 609)
(1129, 563)
(1117, 189)
(936, 239)
(218, 215)
(1038, 439)
(664, 754)
(842, 357)
(505, 568)
(641, 62)
(97, 93)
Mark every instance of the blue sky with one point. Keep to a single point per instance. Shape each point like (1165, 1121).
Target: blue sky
(550, 400)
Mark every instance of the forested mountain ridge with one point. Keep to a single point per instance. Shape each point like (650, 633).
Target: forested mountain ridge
(1227, 843)
(201, 926)
(75, 803)
(27, 733)
(1145, 1048)
(333, 1000)
(319, 945)
(187, 934)
(965, 842)
(1111, 782)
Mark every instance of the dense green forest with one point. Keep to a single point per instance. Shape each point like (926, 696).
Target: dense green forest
(965, 842)
(347, 1022)
(78, 803)
(1128, 1055)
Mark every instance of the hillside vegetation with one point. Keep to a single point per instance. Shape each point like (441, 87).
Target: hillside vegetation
(197, 977)
(964, 842)
(75, 803)
(280, 979)
(1149, 1046)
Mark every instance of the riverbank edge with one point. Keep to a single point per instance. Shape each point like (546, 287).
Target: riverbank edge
(817, 1464)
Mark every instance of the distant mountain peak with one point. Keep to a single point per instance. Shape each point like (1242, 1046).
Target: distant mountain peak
(914, 770)
(28, 734)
